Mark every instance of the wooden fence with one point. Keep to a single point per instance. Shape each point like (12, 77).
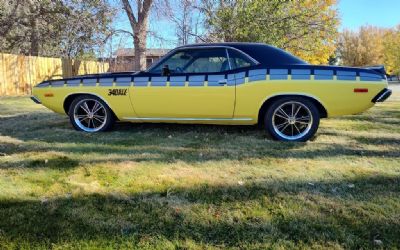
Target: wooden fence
(19, 73)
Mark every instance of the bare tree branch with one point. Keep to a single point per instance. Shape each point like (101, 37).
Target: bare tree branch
(129, 13)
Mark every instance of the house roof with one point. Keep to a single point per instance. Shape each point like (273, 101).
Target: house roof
(149, 52)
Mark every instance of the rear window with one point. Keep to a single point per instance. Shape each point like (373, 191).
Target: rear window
(239, 60)
(269, 55)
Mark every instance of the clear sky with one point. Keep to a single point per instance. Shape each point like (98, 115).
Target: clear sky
(355, 13)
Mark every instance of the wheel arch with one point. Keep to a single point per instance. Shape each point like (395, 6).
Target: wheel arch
(321, 108)
(71, 97)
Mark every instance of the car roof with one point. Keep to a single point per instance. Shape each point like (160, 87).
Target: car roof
(263, 53)
(230, 44)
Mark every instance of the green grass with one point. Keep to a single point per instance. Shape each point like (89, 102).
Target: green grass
(157, 186)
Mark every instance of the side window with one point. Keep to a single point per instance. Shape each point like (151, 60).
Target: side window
(208, 61)
(195, 61)
(175, 62)
(239, 60)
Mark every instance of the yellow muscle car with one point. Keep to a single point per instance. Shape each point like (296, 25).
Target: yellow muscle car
(223, 83)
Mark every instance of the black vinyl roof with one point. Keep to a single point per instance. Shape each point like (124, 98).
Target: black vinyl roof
(263, 53)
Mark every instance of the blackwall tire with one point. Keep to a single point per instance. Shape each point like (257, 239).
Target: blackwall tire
(292, 119)
(90, 114)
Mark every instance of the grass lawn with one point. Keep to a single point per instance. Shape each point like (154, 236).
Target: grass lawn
(198, 187)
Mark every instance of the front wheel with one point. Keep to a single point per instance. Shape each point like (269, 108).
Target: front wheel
(292, 119)
(90, 114)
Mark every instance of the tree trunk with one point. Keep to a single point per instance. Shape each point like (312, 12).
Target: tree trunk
(139, 26)
(34, 38)
(139, 41)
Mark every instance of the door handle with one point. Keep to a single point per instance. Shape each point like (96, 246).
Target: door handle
(223, 81)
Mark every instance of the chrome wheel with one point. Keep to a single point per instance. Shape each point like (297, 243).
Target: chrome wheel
(90, 115)
(292, 120)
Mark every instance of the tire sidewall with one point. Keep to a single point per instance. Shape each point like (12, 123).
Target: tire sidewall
(268, 118)
(110, 116)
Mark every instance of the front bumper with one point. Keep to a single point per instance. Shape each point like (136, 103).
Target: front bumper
(34, 98)
(382, 96)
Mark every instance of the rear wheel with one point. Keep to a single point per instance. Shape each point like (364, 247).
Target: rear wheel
(90, 114)
(292, 119)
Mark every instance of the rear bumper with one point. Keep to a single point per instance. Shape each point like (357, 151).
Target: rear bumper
(34, 98)
(382, 96)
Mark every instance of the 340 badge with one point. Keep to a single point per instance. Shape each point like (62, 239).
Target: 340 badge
(116, 92)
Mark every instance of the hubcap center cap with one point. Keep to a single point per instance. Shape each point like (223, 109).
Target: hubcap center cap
(292, 120)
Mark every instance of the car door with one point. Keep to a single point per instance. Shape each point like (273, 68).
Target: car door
(197, 86)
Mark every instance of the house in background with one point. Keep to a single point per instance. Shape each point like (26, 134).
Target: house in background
(125, 59)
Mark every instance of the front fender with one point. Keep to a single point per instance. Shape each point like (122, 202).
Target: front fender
(58, 99)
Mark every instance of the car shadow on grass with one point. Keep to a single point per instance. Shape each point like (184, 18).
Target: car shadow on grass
(50, 132)
(166, 143)
(387, 118)
(347, 212)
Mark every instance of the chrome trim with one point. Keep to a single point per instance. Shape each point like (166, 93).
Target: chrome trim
(291, 119)
(382, 96)
(91, 115)
(229, 59)
(185, 119)
(35, 100)
(222, 82)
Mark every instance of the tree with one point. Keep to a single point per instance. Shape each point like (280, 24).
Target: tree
(371, 46)
(186, 18)
(87, 25)
(139, 25)
(391, 50)
(24, 25)
(68, 28)
(307, 28)
(363, 47)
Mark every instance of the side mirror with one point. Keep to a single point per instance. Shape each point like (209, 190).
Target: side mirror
(166, 71)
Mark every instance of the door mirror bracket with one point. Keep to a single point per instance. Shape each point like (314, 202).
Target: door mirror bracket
(166, 71)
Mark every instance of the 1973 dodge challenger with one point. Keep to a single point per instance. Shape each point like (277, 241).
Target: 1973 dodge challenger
(224, 83)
